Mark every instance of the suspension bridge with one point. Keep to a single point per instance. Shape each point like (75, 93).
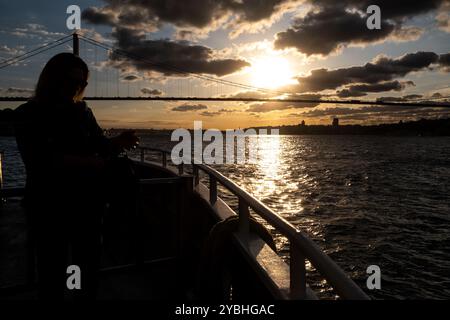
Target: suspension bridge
(109, 83)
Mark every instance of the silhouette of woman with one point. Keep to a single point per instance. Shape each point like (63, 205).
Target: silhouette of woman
(64, 152)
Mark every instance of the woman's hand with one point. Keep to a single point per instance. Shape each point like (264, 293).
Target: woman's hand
(126, 140)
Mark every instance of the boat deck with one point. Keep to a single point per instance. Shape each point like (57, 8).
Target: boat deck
(152, 281)
(160, 242)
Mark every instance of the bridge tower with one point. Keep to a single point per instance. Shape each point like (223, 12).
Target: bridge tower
(76, 44)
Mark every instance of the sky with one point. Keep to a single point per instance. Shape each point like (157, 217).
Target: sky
(310, 49)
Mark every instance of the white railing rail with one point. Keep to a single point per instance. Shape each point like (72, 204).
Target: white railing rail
(301, 246)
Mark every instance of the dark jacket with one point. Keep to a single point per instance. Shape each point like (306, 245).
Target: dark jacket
(45, 133)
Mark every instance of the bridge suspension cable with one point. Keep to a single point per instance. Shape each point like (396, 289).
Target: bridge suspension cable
(174, 69)
(36, 51)
(161, 67)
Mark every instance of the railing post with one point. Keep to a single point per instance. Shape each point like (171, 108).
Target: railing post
(1, 176)
(1, 170)
(183, 221)
(297, 272)
(164, 159)
(244, 216)
(212, 190)
(142, 154)
(196, 175)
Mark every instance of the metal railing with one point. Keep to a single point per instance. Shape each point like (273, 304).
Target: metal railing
(301, 246)
(1, 169)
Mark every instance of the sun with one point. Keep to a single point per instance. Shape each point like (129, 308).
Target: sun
(270, 72)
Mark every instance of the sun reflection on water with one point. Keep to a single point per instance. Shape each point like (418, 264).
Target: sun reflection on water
(272, 181)
(268, 165)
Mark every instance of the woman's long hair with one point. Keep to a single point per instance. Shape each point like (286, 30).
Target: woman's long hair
(55, 77)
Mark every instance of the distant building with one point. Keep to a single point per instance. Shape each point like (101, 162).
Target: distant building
(335, 122)
(303, 123)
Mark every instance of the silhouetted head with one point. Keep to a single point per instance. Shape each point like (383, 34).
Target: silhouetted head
(63, 78)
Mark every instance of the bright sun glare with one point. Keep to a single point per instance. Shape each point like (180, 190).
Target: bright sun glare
(271, 72)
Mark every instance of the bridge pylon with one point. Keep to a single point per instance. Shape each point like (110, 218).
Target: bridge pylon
(76, 44)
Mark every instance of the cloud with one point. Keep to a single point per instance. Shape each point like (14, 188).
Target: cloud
(219, 112)
(278, 106)
(15, 91)
(210, 113)
(268, 106)
(169, 57)
(343, 111)
(381, 69)
(249, 94)
(152, 92)
(406, 34)
(131, 78)
(96, 15)
(336, 27)
(199, 15)
(34, 30)
(4, 49)
(443, 18)
(360, 90)
(189, 107)
(343, 23)
(444, 61)
(412, 97)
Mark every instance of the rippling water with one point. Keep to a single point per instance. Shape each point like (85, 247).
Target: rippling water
(364, 199)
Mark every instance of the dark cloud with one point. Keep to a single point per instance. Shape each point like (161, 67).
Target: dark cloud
(277, 106)
(413, 97)
(332, 24)
(96, 15)
(131, 78)
(152, 92)
(169, 57)
(360, 90)
(444, 61)
(443, 18)
(382, 69)
(15, 90)
(224, 110)
(198, 14)
(261, 107)
(218, 112)
(389, 117)
(189, 107)
(436, 95)
(210, 113)
(341, 111)
(336, 28)
(395, 10)
(347, 93)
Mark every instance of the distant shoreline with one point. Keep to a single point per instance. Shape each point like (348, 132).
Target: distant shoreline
(422, 127)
